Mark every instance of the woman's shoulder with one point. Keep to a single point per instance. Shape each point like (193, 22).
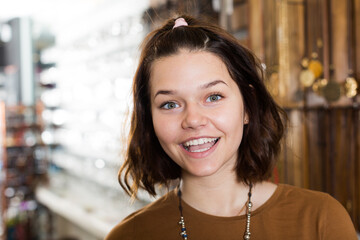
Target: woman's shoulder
(303, 194)
(297, 200)
(311, 203)
(307, 197)
(330, 214)
(150, 216)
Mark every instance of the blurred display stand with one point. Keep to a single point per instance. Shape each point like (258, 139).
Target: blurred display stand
(23, 156)
(85, 95)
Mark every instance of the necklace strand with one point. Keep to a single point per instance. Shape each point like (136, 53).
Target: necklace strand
(182, 221)
(249, 204)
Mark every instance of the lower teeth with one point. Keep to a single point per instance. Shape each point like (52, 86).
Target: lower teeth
(201, 150)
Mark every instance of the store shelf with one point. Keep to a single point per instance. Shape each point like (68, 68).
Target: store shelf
(106, 177)
(80, 216)
(79, 168)
(100, 60)
(113, 158)
(113, 47)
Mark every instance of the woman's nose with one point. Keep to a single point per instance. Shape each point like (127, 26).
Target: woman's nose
(194, 117)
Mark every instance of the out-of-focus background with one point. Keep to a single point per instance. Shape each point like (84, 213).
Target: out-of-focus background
(66, 69)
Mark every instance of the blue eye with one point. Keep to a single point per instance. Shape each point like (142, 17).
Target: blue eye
(169, 105)
(213, 98)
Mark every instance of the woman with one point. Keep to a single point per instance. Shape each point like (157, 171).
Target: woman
(202, 115)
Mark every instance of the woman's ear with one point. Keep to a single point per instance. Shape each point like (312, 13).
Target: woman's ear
(246, 118)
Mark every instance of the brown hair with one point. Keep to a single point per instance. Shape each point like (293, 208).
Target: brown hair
(146, 164)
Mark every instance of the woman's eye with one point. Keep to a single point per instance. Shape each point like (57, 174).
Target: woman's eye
(213, 98)
(169, 105)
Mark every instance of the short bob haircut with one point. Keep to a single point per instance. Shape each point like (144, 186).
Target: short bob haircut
(146, 164)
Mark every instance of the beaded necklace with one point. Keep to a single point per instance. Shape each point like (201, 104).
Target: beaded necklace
(247, 233)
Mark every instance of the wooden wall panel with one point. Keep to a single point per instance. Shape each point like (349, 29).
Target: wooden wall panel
(314, 144)
(322, 152)
(357, 37)
(296, 32)
(300, 151)
(271, 57)
(256, 38)
(339, 39)
(293, 164)
(357, 171)
(356, 148)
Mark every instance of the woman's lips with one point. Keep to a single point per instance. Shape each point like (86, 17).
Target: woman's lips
(199, 146)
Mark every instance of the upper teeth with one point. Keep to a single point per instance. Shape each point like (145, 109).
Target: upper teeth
(199, 141)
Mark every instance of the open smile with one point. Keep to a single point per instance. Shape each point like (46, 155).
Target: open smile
(200, 144)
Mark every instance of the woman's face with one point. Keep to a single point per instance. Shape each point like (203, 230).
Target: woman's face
(198, 112)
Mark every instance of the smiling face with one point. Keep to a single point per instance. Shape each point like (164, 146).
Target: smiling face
(198, 112)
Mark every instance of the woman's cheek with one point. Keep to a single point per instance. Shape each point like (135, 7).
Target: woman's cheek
(163, 127)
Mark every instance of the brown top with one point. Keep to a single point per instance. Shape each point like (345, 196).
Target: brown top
(290, 213)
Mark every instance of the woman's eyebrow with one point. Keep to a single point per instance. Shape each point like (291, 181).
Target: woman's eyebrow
(204, 86)
(165, 92)
(213, 83)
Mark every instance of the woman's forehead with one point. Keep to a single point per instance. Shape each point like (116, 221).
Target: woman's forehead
(186, 65)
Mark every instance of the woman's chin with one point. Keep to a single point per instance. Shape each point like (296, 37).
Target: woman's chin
(200, 171)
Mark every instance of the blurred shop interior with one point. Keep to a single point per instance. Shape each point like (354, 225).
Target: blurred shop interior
(66, 71)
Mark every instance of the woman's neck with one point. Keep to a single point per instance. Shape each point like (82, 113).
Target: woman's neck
(223, 195)
(215, 195)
